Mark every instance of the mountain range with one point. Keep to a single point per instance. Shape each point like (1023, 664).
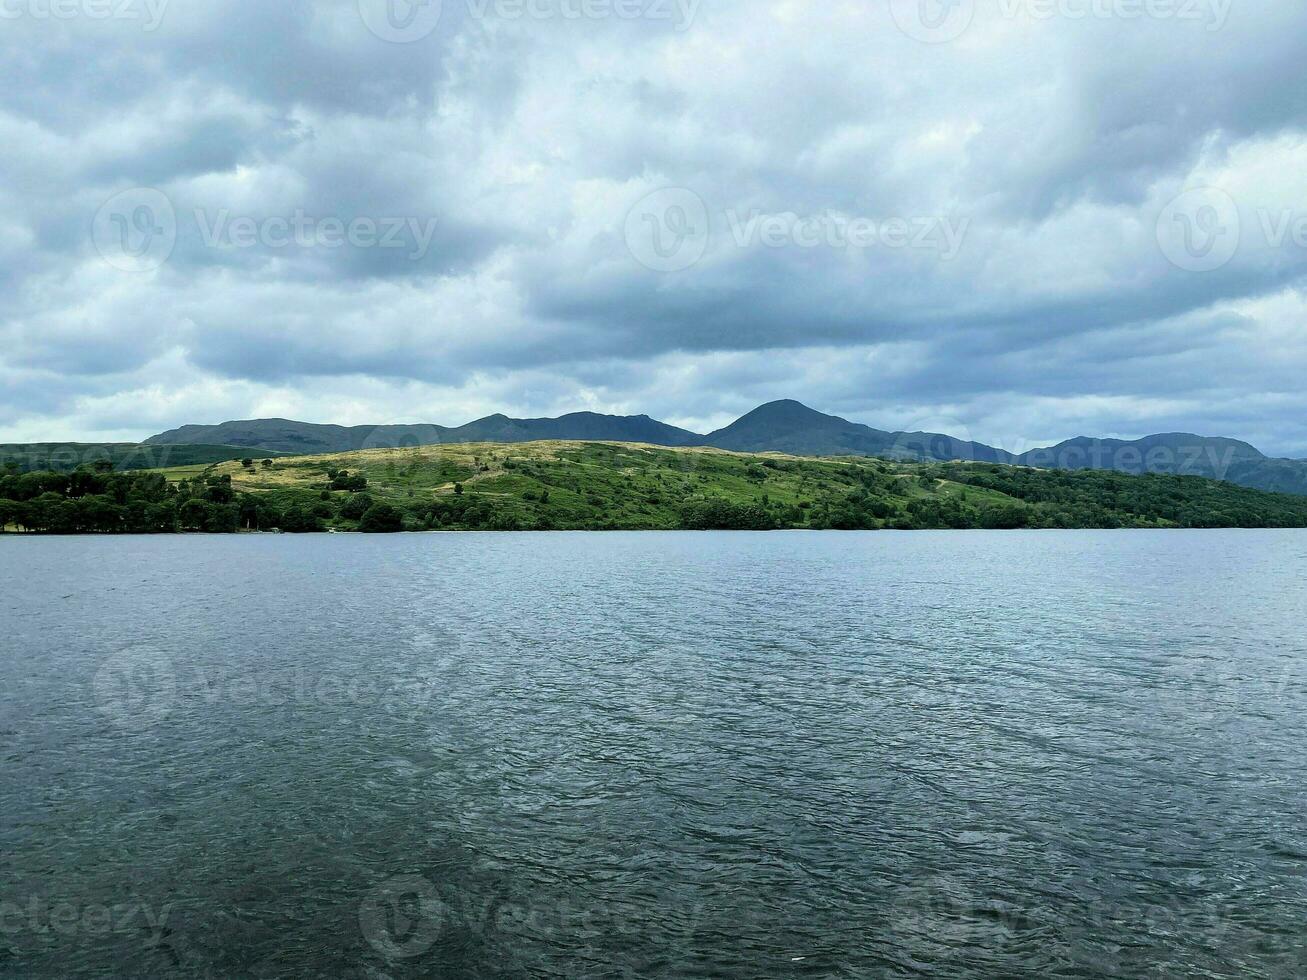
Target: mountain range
(782, 427)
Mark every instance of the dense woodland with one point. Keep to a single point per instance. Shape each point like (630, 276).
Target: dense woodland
(96, 500)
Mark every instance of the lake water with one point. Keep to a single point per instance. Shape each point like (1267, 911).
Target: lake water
(662, 755)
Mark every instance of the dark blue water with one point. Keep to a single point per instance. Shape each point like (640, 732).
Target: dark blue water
(789, 755)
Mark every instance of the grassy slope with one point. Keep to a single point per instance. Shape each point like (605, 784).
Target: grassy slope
(602, 485)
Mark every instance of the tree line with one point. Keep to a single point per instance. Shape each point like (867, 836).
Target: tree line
(94, 499)
(610, 494)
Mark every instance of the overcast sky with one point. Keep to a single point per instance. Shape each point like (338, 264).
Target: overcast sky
(1011, 220)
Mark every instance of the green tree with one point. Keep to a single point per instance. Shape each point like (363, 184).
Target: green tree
(355, 507)
(343, 480)
(723, 515)
(300, 519)
(381, 519)
(191, 515)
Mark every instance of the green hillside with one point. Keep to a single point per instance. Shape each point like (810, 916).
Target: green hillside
(786, 427)
(605, 486)
(613, 486)
(64, 457)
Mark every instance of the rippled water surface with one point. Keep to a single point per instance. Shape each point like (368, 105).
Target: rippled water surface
(787, 755)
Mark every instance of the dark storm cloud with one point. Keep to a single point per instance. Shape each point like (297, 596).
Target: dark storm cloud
(979, 230)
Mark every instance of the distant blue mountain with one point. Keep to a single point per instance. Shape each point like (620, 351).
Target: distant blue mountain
(310, 438)
(782, 427)
(794, 428)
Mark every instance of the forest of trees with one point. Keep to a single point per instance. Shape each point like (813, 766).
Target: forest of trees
(1105, 499)
(95, 500)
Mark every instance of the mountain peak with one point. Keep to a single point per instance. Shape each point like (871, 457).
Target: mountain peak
(782, 426)
(787, 410)
(792, 427)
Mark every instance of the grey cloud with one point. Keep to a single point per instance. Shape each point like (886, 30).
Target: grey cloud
(527, 142)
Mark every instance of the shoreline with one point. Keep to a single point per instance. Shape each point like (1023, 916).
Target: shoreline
(637, 530)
